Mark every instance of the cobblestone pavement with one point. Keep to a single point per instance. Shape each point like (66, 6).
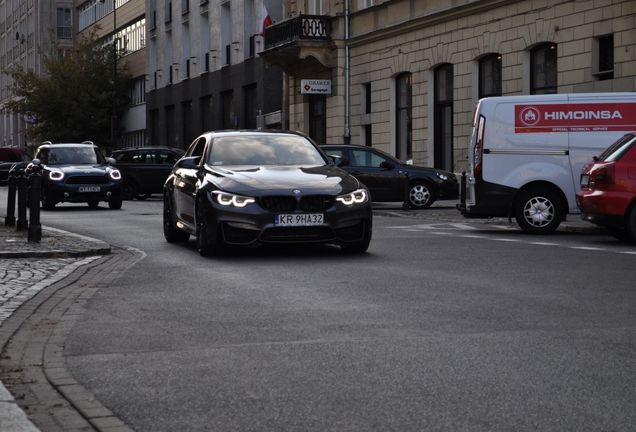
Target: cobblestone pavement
(26, 269)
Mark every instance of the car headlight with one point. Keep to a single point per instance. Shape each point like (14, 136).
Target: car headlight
(356, 197)
(56, 175)
(115, 174)
(442, 176)
(228, 199)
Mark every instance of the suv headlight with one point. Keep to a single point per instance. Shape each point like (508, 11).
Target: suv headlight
(115, 174)
(56, 175)
(441, 175)
(228, 199)
(356, 197)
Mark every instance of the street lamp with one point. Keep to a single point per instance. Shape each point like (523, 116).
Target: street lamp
(113, 120)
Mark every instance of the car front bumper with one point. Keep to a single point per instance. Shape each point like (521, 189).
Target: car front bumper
(605, 208)
(62, 192)
(253, 225)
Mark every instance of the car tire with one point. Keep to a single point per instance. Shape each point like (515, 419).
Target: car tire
(208, 242)
(115, 203)
(539, 210)
(129, 190)
(630, 224)
(48, 203)
(170, 230)
(620, 234)
(93, 203)
(421, 195)
(358, 247)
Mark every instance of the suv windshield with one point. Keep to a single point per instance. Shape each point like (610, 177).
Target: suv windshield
(84, 155)
(276, 149)
(618, 149)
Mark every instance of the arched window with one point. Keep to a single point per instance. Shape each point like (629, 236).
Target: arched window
(543, 69)
(403, 110)
(443, 120)
(490, 75)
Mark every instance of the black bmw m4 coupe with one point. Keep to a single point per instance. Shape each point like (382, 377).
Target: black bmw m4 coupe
(245, 188)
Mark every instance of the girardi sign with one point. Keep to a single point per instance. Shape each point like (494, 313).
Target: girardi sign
(575, 117)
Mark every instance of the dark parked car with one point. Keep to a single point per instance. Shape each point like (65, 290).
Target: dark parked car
(244, 188)
(390, 179)
(78, 173)
(608, 189)
(144, 170)
(8, 157)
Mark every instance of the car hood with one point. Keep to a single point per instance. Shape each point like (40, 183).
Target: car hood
(263, 180)
(87, 169)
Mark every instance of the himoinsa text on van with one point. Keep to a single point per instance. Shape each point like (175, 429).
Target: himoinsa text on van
(526, 153)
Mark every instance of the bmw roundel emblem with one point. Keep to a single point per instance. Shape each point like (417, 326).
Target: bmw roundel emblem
(297, 191)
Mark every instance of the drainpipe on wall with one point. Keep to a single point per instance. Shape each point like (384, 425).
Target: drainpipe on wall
(347, 130)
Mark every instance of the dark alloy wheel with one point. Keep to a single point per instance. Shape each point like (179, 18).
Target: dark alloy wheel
(421, 195)
(129, 190)
(115, 203)
(358, 247)
(538, 210)
(208, 241)
(48, 203)
(170, 230)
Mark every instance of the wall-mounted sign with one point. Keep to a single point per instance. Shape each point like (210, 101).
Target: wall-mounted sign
(315, 87)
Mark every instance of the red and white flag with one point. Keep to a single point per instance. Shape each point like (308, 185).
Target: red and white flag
(265, 20)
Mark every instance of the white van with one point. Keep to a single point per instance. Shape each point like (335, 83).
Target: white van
(526, 153)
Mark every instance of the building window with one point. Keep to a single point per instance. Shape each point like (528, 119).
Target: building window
(490, 75)
(368, 135)
(64, 23)
(137, 91)
(168, 12)
(543, 69)
(185, 6)
(367, 98)
(403, 124)
(604, 47)
(443, 118)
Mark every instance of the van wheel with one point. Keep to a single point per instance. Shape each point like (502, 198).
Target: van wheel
(421, 195)
(538, 210)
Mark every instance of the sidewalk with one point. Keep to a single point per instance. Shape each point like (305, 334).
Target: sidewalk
(26, 268)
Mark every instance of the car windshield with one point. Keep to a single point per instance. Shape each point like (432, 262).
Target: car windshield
(74, 155)
(262, 150)
(618, 149)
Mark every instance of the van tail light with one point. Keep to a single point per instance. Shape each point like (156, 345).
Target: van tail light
(478, 150)
(602, 174)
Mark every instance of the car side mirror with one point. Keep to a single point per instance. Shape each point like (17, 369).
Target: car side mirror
(386, 165)
(191, 162)
(340, 161)
(111, 161)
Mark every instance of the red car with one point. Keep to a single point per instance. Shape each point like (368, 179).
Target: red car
(608, 189)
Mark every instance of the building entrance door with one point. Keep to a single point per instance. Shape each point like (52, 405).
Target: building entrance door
(318, 118)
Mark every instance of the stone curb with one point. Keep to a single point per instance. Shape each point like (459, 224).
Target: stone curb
(83, 247)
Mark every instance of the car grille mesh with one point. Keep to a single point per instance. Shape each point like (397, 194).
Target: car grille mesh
(309, 203)
(103, 179)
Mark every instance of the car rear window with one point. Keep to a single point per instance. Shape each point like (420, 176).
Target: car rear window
(618, 149)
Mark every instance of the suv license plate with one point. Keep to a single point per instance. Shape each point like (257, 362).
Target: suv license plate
(305, 219)
(89, 188)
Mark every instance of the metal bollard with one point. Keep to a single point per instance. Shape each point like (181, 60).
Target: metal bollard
(22, 223)
(35, 186)
(9, 219)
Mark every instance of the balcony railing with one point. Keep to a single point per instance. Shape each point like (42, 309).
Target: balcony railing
(302, 27)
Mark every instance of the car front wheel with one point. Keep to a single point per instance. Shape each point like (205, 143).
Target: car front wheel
(421, 195)
(170, 230)
(114, 204)
(208, 240)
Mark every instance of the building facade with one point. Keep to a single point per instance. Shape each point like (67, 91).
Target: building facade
(204, 69)
(406, 74)
(126, 19)
(28, 31)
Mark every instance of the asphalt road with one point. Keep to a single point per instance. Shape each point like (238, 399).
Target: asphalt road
(445, 324)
